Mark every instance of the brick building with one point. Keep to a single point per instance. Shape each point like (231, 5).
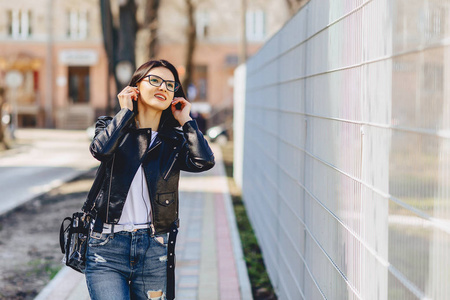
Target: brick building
(218, 29)
(56, 48)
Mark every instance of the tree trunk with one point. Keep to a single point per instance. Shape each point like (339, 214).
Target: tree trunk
(243, 44)
(151, 22)
(2, 127)
(109, 42)
(126, 41)
(2, 131)
(127, 33)
(191, 42)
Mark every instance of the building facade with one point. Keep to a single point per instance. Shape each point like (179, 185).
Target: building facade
(53, 67)
(218, 45)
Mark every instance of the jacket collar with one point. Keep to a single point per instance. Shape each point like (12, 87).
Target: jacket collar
(165, 132)
(168, 133)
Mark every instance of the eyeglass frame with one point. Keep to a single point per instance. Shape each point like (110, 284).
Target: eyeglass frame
(177, 85)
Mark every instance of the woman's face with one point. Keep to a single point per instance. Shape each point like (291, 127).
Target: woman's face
(157, 97)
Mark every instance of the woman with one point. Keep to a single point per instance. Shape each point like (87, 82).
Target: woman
(142, 150)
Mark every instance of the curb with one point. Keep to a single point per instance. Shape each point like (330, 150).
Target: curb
(241, 267)
(59, 278)
(67, 284)
(244, 281)
(45, 189)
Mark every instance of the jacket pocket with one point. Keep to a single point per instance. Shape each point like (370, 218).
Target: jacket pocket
(161, 239)
(165, 199)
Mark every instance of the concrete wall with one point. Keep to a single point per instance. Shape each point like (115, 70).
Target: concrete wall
(345, 150)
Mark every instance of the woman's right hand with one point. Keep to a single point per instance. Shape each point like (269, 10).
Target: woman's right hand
(127, 96)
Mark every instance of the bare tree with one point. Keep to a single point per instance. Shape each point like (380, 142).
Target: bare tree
(152, 24)
(122, 39)
(243, 44)
(127, 32)
(119, 40)
(2, 128)
(109, 36)
(191, 43)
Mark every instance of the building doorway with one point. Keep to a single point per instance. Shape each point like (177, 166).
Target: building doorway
(78, 114)
(79, 87)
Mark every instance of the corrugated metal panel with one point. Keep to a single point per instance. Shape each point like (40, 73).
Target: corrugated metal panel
(346, 156)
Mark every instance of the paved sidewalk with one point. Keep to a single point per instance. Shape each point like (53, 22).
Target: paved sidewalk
(41, 160)
(210, 263)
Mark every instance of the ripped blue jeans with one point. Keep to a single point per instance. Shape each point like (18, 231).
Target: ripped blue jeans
(127, 265)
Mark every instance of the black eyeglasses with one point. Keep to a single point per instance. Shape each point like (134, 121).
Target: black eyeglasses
(171, 85)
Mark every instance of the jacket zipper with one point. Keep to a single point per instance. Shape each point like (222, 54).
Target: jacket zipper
(109, 191)
(152, 226)
(156, 145)
(171, 166)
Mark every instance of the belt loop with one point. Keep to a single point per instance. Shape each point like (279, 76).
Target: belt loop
(152, 230)
(112, 231)
(97, 228)
(98, 225)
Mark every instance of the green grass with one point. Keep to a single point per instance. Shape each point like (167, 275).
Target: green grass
(261, 286)
(41, 266)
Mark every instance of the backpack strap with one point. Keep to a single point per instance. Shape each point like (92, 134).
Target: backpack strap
(62, 231)
(88, 206)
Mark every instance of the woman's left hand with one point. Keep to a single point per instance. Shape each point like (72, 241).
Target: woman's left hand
(181, 115)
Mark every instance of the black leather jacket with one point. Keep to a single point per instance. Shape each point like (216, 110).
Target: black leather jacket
(123, 148)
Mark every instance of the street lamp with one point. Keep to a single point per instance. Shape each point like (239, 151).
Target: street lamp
(124, 70)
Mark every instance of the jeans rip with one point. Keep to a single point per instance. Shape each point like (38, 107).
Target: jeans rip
(130, 265)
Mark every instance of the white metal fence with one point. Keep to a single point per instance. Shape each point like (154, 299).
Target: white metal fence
(344, 159)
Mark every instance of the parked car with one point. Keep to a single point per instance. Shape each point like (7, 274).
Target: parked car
(90, 131)
(218, 134)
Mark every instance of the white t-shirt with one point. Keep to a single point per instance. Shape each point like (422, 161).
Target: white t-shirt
(137, 209)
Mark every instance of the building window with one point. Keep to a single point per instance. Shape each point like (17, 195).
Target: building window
(79, 88)
(198, 89)
(432, 79)
(256, 27)
(77, 24)
(202, 25)
(231, 60)
(435, 22)
(19, 22)
(201, 79)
